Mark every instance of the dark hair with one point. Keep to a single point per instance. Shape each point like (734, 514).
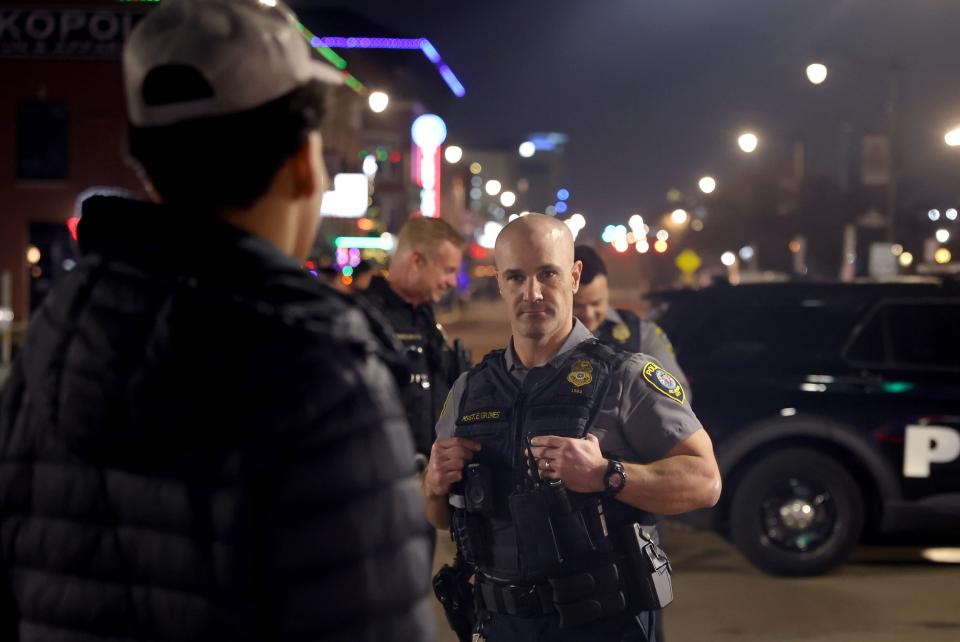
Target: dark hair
(226, 161)
(593, 265)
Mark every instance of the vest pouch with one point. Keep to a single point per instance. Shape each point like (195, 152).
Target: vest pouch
(573, 538)
(530, 512)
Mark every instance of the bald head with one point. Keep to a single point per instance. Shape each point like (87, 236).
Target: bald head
(538, 229)
(537, 276)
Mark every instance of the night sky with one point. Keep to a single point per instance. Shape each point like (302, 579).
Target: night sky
(653, 93)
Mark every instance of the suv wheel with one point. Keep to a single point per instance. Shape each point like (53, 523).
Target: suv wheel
(796, 512)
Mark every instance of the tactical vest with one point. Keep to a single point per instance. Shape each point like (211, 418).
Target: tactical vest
(509, 541)
(627, 335)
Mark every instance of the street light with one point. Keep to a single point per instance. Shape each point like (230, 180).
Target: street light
(728, 258)
(453, 154)
(707, 184)
(378, 101)
(493, 187)
(527, 149)
(748, 142)
(679, 216)
(816, 73)
(952, 137)
(943, 235)
(507, 199)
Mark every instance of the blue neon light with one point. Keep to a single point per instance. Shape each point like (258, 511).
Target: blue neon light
(424, 45)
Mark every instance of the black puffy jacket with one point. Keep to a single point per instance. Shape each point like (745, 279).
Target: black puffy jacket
(198, 442)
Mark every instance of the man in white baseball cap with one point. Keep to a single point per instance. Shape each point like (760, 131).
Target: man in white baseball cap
(199, 440)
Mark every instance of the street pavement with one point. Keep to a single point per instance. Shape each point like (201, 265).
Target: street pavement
(882, 595)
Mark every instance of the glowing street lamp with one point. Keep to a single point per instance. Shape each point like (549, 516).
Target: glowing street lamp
(943, 235)
(679, 216)
(748, 142)
(816, 73)
(453, 154)
(952, 137)
(493, 187)
(507, 199)
(708, 184)
(378, 101)
(728, 258)
(527, 149)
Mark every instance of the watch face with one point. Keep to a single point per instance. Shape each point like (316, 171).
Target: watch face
(616, 480)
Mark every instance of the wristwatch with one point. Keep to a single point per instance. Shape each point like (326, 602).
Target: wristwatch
(614, 479)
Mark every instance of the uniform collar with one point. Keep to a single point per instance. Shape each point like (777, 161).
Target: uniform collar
(612, 315)
(578, 335)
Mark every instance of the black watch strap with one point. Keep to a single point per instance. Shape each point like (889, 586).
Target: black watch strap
(615, 478)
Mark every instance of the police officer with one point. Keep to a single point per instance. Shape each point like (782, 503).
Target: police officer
(552, 533)
(619, 327)
(423, 268)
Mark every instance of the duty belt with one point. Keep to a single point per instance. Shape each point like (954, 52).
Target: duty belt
(523, 600)
(577, 599)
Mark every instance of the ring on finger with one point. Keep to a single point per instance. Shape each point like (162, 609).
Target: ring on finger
(547, 464)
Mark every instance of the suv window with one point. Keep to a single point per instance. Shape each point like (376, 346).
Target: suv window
(910, 335)
(763, 334)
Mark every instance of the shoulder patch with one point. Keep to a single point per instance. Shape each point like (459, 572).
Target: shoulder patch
(621, 332)
(581, 373)
(663, 382)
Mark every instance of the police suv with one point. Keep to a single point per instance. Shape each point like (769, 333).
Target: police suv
(834, 409)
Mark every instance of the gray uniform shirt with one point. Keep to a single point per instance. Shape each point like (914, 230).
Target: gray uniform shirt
(654, 343)
(639, 420)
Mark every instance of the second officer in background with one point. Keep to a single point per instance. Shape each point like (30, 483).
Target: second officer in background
(424, 267)
(614, 326)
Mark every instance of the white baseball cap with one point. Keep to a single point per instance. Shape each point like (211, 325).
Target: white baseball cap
(234, 54)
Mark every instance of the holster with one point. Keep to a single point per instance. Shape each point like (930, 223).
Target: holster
(452, 587)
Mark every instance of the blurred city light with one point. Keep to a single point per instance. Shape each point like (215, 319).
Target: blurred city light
(707, 184)
(896, 249)
(33, 255)
(370, 166)
(476, 168)
(660, 246)
(662, 235)
(942, 256)
(453, 154)
(794, 246)
(933, 215)
(378, 101)
(620, 244)
(383, 242)
(560, 207)
(609, 232)
(527, 149)
(746, 253)
(748, 142)
(942, 235)
(642, 246)
(476, 193)
(952, 137)
(951, 214)
(563, 194)
(507, 199)
(816, 73)
(550, 210)
(488, 238)
(728, 258)
(679, 216)
(905, 259)
(493, 187)
(636, 224)
(697, 225)
(428, 131)
(579, 220)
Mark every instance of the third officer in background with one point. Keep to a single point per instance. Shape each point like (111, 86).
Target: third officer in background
(618, 327)
(424, 267)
